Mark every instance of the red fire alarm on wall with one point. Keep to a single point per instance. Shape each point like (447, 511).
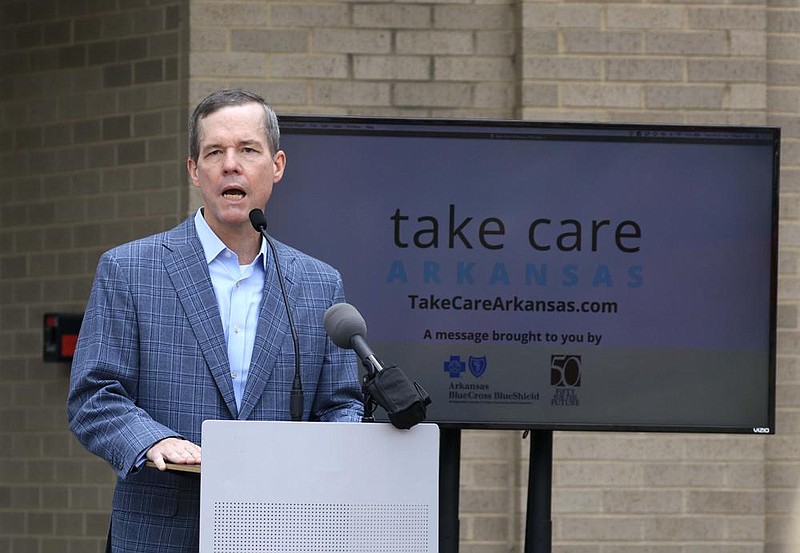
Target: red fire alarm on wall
(60, 336)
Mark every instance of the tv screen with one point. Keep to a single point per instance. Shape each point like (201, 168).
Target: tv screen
(551, 276)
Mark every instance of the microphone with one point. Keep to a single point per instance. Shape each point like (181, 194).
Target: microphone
(259, 222)
(347, 329)
(405, 402)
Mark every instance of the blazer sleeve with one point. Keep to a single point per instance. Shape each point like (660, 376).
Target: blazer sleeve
(338, 397)
(101, 404)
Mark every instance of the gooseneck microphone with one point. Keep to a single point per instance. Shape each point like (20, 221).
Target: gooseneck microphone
(259, 222)
(404, 401)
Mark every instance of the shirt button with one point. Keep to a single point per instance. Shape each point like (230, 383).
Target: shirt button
(237, 329)
(233, 375)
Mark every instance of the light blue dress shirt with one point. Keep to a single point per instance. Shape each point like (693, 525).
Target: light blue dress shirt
(239, 289)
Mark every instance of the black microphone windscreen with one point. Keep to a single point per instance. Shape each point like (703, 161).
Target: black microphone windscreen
(258, 219)
(343, 321)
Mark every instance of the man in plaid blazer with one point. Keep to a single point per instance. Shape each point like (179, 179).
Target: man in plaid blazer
(190, 325)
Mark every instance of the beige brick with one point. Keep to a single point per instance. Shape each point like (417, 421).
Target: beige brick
(350, 93)
(268, 40)
(537, 15)
(489, 444)
(357, 41)
(783, 73)
(213, 64)
(311, 65)
(484, 501)
(645, 17)
(689, 528)
(483, 547)
(401, 68)
(601, 42)
(473, 17)
(643, 501)
(394, 16)
(781, 502)
(277, 92)
(542, 95)
(562, 68)
(539, 42)
(434, 42)
(747, 96)
(783, 47)
(726, 70)
(296, 14)
(748, 448)
(576, 501)
(671, 475)
(491, 528)
(727, 18)
(747, 529)
(432, 94)
(709, 43)
(495, 43)
(601, 95)
(748, 43)
(784, 21)
(725, 502)
(600, 528)
(221, 14)
(472, 69)
(783, 99)
(619, 447)
(589, 474)
(498, 95)
(645, 70)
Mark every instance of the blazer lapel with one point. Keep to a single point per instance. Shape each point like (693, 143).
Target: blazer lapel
(187, 269)
(272, 331)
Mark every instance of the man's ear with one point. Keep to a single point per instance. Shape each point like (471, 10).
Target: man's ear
(191, 167)
(278, 165)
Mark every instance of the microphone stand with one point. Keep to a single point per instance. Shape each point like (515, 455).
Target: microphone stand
(369, 402)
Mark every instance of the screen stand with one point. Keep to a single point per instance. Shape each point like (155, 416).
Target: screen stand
(449, 482)
(538, 523)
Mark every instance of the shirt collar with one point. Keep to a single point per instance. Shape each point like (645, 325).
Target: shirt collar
(213, 246)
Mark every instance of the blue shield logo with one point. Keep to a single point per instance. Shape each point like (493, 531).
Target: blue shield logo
(477, 366)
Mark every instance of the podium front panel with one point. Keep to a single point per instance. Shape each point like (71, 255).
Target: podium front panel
(303, 487)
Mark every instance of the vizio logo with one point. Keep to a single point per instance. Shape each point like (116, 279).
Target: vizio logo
(761, 430)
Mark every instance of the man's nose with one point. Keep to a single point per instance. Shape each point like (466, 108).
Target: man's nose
(230, 161)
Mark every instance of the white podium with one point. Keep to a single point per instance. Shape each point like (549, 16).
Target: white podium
(303, 487)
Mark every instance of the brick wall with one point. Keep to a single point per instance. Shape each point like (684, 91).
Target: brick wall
(93, 109)
(91, 127)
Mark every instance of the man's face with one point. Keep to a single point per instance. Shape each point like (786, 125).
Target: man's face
(235, 170)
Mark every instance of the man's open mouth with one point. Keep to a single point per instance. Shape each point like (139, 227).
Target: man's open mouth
(233, 194)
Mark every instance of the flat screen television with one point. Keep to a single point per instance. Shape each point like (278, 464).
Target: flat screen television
(560, 276)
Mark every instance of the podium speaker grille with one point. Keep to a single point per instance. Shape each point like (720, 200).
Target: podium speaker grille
(257, 527)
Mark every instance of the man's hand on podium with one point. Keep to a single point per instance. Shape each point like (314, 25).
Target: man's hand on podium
(174, 450)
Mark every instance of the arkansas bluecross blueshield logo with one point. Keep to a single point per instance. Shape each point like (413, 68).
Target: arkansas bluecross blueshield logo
(477, 365)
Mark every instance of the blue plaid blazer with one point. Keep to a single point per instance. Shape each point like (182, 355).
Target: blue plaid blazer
(151, 363)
